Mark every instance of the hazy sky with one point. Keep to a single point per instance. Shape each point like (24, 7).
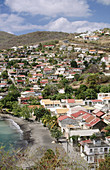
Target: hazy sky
(23, 16)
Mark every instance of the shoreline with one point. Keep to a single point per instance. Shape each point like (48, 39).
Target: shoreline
(38, 138)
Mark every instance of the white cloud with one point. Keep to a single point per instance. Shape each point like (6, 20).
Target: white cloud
(76, 8)
(104, 2)
(62, 24)
(15, 24)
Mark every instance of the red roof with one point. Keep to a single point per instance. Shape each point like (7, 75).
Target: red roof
(25, 98)
(3, 83)
(96, 100)
(64, 117)
(99, 114)
(86, 116)
(71, 100)
(34, 106)
(85, 141)
(40, 97)
(20, 81)
(95, 121)
(77, 114)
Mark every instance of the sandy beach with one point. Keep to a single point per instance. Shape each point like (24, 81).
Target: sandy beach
(38, 137)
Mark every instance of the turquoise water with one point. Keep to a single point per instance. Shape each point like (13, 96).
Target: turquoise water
(10, 135)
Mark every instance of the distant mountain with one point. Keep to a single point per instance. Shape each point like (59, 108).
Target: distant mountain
(9, 40)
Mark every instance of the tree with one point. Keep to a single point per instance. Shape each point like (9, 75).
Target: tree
(105, 89)
(4, 74)
(49, 90)
(103, 65)
(63, 83)
(90, 94)
(76, 77)
(11, 97)
(93, 137)
(40, 112)
(74, 64)
(16, 109)
(105, 163)
(75, 139)
(56, 133)
(68, 89)
(26, 112)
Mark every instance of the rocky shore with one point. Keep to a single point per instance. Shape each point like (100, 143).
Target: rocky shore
(38, 138)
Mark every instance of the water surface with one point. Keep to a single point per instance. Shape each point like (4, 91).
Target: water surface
(10, 135)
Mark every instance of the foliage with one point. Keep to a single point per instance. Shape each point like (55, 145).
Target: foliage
(63, 83)
(49, 90)
(105, 89)
(40, 112)
(8, 159)
(75, 139)
(49, 121)
(68, 89)
(76, 77)
(90, 94)
(103, 65)
(74, 64)
(52, 160)
(93, 137)
(26, 112)
(56, 133)
(16, 109)
(11, 97)
(4, 74)
(108, 130)
(105, 164)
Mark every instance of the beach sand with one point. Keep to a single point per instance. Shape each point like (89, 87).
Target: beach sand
(39, 140)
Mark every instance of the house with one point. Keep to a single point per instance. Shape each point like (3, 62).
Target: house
(92, 51)
(77, 49)
(52, 105)
(78, 114)
(93, 122)
(61, 111)
(102, 95)
(53, 76)
(93, 102)
(28, 94)
(3, 85)
(82, 133)
(44, 82)
(62, 47)
(65, 120)
(60, 71)
(93, 151)
(48, 71)
(33, 80)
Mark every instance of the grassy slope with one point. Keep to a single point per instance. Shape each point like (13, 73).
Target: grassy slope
(9, 40)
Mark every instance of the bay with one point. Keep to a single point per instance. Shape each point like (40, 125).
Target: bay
(11, 135)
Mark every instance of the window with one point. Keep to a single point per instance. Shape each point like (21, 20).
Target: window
(91, 158)
(101, 149)
(105, 149)
(90, 150)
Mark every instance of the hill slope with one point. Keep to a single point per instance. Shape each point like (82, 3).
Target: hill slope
(9, 40)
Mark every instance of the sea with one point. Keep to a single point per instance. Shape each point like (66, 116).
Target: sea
(11, 136)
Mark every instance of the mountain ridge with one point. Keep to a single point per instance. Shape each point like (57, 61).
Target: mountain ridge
(8, 40)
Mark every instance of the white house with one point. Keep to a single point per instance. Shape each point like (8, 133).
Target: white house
(93, 151)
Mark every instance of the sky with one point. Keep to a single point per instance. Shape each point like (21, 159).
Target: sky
(24, 16)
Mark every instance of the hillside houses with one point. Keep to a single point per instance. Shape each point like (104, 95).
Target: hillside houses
(76, 96)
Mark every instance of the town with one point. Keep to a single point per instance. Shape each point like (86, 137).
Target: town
(65, 84)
